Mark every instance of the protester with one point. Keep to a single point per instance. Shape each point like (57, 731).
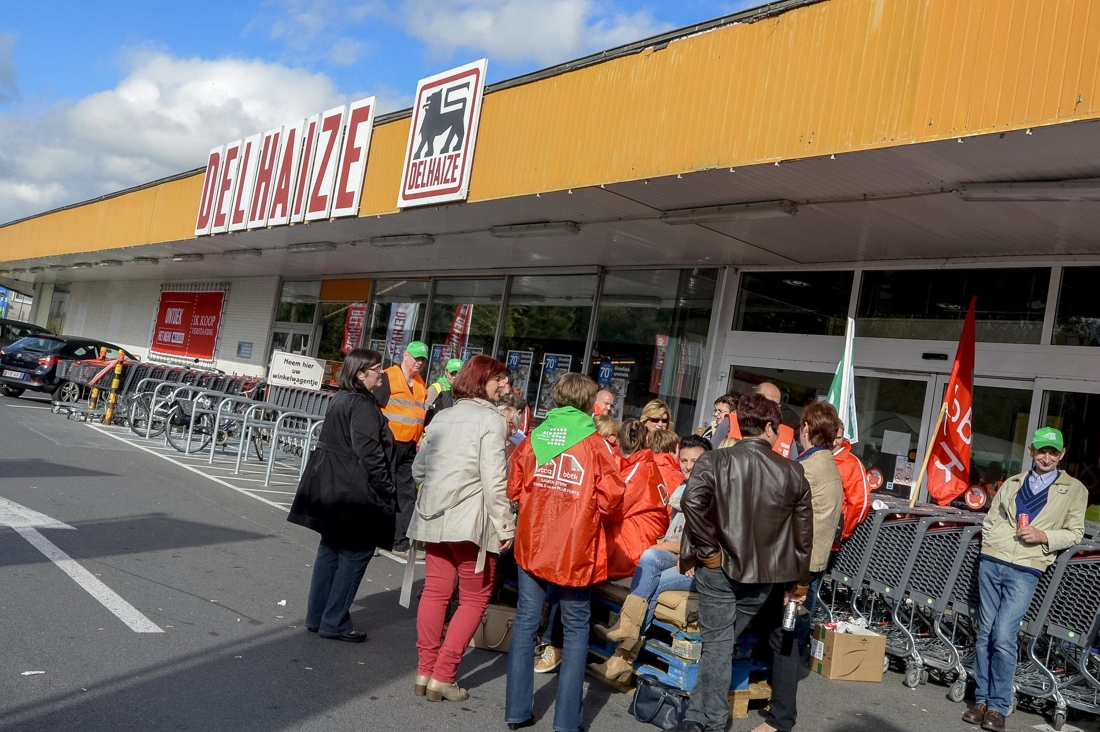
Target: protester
(853, 476)
(442, 386)
(657, 572)
(605, 403)
(817, 431)
(464, 518)
(401, 395)
(724, 406)
(645, 513)
(656, 415)
(513, 420)
(736, 570)
(1015, 553)
(665, 446)
(346, 494)
(608, 428)
(728, 427)
(566, 482)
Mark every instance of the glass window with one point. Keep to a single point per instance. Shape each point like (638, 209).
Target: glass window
(1077, 415)
(651, 338)
(298, 302)
(463, 321)
(546, 326)
(814, 303)
(397, 315)
(1077, 322)
(999, 434)
(930, 304)
(57, 310)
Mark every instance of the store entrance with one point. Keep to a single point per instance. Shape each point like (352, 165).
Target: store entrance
(1074, 408)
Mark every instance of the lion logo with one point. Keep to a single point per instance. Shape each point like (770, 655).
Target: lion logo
(442, 116)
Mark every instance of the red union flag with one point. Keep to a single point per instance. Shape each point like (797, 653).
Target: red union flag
(442, 135)
(949, 466)
(353, 327)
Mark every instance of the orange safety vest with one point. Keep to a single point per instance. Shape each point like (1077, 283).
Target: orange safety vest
(406, 409)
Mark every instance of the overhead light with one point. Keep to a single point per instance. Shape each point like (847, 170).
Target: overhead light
(949, 306)
(242, 253)
(313, 246)
(146, 260)
(1086, 189)
(403, 240)
(57, 267)
(543, 228)
(81, 265)
(109, 263)
(36, 270)
(186, 257)
(731, 212)
(5, 273)
(796, 283)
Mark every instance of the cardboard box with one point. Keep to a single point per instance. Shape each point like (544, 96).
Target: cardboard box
(846, 652)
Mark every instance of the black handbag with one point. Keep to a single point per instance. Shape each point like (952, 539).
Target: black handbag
(658, 704)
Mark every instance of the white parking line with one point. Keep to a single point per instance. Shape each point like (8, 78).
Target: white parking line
(261, 490)
(25, 406)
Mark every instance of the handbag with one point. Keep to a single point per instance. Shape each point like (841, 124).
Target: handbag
(658, 704)
(494, 632)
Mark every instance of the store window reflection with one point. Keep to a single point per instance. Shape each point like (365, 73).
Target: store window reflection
(999, 435)
(463, 321)
(1077, 322)
(1077, 415)
(397, 315)
(298, 302)
(545, 330)
(811, 303)
(651, 338)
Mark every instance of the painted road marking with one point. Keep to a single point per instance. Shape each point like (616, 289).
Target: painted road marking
(26, 522)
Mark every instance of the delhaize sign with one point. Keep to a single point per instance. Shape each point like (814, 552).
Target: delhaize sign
(440, 152)
(307, 171)
(187, 324)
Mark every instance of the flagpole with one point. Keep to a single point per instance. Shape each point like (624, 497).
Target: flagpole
(915, 490)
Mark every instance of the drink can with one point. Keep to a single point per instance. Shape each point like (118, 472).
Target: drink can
(790, 615)
(1023, 520)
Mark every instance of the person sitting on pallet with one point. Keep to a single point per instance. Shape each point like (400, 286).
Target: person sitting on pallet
(1033, 517)
(657, 572)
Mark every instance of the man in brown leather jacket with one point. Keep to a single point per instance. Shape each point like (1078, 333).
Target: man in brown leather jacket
(749, 532)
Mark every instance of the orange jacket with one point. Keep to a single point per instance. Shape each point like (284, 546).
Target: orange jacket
(644, 515)
(563, 506)
(857, 494)
(406, 408)
(669, 465)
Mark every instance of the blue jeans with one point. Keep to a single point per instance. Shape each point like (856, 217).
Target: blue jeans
(657, 573)
(805, 623)
(1005, 594)
(337, 572)
(576, 614)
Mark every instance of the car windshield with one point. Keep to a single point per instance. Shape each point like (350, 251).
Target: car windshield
(42, 345)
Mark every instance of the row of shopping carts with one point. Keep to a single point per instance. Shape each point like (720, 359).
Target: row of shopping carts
(912, 574)
(196, 411)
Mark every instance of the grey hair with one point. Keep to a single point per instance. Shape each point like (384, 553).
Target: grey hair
(511, 415)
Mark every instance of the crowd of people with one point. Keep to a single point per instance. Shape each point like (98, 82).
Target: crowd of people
(746, 514)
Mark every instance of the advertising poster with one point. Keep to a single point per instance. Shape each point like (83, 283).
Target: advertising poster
(614, 378)
(400, 332)
(187, 324)
(435, 363)
(554, 366)
(354, 323)
(519, 363)
(459, 332)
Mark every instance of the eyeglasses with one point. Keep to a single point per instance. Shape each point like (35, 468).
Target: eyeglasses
(376, 369)
(659, 420)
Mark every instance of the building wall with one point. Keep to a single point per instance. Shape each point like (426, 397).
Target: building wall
(122, 312)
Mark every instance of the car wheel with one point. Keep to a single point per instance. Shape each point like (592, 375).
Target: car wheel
(10, 391)
(68, 392)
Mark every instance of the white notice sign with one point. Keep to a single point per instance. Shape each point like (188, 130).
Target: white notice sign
(290, 369)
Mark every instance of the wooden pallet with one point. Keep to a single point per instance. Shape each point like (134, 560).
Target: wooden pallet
(739, 700)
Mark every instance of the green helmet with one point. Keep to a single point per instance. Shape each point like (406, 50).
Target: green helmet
(454, 365)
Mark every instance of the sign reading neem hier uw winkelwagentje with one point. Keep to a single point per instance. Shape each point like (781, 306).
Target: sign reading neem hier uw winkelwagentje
(307, 171)
(442, 135)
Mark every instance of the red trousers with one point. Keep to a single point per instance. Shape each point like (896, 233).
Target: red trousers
(450, 565)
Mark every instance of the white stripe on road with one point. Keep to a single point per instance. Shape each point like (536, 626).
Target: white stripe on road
(25, 406)
(110, 599)
(219, 481)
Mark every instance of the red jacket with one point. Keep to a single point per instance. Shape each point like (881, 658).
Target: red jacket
(644, 514)
(669, 465)
(563, 507)
(857, 494)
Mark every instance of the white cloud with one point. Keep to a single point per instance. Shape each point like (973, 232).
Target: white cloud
(161, 119)
(9, 75)
(314, 30)
(544, 31)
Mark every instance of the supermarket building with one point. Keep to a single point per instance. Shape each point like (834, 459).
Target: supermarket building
(686, 216)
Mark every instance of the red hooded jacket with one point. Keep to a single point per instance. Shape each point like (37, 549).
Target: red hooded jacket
(563, 507)
(669, 465)
(644, 514)
(857, 494)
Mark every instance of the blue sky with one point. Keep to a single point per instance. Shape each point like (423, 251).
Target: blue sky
(98, 96)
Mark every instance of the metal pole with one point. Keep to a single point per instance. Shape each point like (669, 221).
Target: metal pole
(915, 490)
(593, 321)
(112, 397)
(502, 318)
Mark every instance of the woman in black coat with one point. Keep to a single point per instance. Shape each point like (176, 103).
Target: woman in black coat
(346, 495)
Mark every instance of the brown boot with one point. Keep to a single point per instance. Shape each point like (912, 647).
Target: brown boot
(994, 722)
(629, 625)
(620, 665)
(438, 691)
(975, 714)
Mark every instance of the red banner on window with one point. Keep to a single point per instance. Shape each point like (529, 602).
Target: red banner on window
(459, 332)
(187, 324)
(353, 327)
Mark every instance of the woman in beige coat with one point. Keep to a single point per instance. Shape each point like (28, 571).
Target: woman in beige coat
(817, 430)
(464, 518)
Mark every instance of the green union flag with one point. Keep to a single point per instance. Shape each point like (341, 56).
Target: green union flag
(842, 392)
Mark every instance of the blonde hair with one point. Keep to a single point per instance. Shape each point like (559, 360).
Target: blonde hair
(654, 410)
(510, 414)
(606, 426)
(575, 390)
(728, 442)
(633, 436)
(663, 441)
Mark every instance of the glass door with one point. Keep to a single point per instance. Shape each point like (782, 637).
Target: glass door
(1074, 408)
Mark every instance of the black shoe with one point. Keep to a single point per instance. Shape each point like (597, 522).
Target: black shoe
(351, 637)
(312, 630)
(688, 726)
(522, 725)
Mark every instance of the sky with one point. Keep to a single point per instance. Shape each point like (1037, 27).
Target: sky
(100, 96)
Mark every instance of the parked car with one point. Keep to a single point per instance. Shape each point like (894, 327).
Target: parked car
(13, 330)
(31, 363)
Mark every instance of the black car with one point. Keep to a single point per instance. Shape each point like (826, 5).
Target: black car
(13, 330)
(31, 363)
